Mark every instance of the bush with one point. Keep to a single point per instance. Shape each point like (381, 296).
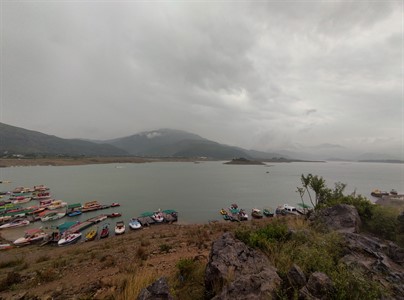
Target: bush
(384, 222)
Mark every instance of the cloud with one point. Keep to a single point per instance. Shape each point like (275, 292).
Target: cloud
(259, 74)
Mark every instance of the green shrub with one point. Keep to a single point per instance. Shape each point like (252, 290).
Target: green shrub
(384, 222)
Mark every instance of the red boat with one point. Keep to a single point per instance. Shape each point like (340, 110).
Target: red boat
(104, 232)
(114, 215)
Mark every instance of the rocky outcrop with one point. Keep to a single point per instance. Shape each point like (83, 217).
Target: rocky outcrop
(383, 261)
(158, 290)
(296, 277)
(341, 217)
(235, 271)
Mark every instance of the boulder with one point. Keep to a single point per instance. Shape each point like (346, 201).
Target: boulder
(236, 271)
(320, 285)
(158, 290)
(341, 217)
(296, 277)
(382, 260)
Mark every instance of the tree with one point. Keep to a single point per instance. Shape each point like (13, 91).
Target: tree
(306, 183)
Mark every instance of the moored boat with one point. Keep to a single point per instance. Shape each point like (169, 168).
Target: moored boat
(158, 216)
(114, 215)
(119, 228)
(287, 209)
(268, 212)
(92, 233)
(52, 216)
(57, 204)
(134, 224)
(378, 193)
(115, 204)
(90, 206)
(20, 199)
(104, 232)
(69, 238)
(30, 237)
(256, 213)
(15, 223)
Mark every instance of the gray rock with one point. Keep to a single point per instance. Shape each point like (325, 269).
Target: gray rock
(235, 271)
(341, 217)
(297, 278)
(320, 285)
(382, 260)
(158, 290)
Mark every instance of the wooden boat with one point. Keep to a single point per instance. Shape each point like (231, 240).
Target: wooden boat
(57, 204)
(119, 228)
(69, 238)
(15, 223)
(134, 224)
(104, 232)
(378, 193)
(256, 213)
(92, 233)
(90, 206)
(53, 216)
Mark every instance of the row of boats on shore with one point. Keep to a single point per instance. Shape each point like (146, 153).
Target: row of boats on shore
(15, 210)
(235, 214)
(70, 232)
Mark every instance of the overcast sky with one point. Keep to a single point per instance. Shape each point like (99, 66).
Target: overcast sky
(259, 74)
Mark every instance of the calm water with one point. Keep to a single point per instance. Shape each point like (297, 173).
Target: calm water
(196, 191)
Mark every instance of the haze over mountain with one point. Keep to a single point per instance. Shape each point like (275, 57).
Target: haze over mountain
(157, 143)
(22, 141)
(164, 143)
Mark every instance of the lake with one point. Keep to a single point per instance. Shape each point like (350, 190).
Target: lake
(196, 190)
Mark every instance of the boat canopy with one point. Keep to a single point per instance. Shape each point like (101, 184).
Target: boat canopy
(75, 205)
(169, 211)
(147, 214)
(64, 226)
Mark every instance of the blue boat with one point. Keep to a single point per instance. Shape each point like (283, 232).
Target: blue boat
(74, 213)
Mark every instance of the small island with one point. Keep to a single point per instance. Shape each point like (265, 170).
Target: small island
(243, 161)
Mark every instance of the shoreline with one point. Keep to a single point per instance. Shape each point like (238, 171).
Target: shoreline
(73, 161)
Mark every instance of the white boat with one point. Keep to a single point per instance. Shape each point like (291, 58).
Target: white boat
(69, 238)
(158, 216)
(120, 228)
(53, 216)
(31, 236)
(287, 209)
(134, 224)
(15, 223)
(20, 199)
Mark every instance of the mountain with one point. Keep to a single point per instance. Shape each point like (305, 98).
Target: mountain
(17, 140)
(175, 143)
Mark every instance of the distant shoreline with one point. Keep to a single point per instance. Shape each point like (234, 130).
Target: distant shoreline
(77, 161)
(73, 161)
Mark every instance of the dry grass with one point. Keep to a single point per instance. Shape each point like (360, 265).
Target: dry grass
(134, 283)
